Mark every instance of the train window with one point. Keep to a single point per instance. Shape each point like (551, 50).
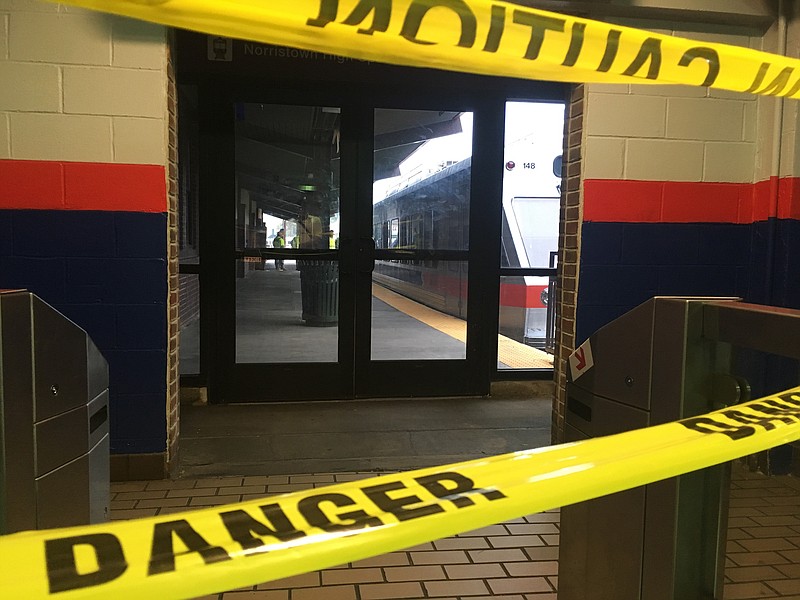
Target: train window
(534, 140)
(394, 232)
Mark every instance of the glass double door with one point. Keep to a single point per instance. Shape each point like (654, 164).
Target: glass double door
(349, 275)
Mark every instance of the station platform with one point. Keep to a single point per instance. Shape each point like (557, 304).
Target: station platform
(269, 329)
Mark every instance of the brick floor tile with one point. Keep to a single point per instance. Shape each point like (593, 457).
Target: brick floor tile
(436, 557)
(738, 534)
(336, 592)
(743, 522)
(550, 596)
(494, 597)
(532, 569)
(745, 481)
(388, 591)
(140, 495)
(257, 595)
(544, 518)
(420, 547)
(190, 493)
(249, 497)
(783, 500)
(135, 513)
(551, 540)
(266, 480)
(785, 586)
(213, 500)
(505, 555)
(458, 543)
(392, 559)
(463, 587)
(746, 591)
(744, 559)
(792, 571)
(780, 510)
(533, 528)
(744, 512)
(123, 504)
(748, 502)
(766, 544)
(162, 503)
(771, 521)
(284, 489)
(128, 486)
(484, 531)
(243, 489)
(732, 546)
(308, 479)
(480, 571)
(423, 573)
(173, 510)
(340, 576)
(345, 477)
(219, 482)
(168, 484)
(519, 585)
(768, 492)
(515, 541)
(544, 553)
(755, 573)
(297, 581)
(769, 532)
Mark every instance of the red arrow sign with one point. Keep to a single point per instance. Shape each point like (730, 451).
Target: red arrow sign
(581, 364)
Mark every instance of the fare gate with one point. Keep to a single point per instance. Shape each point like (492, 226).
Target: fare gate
(667, 359)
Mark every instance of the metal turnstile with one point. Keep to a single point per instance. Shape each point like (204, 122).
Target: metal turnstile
(667, 359)
(54, 430)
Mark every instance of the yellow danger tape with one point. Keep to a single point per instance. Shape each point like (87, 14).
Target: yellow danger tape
(489, 37)
(211, 550)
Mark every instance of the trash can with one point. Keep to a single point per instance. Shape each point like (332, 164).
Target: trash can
(54, 450)
(319, 286)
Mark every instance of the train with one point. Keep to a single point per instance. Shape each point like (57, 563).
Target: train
(432, 213)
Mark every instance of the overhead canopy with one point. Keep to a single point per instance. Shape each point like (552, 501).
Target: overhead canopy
(284, 153)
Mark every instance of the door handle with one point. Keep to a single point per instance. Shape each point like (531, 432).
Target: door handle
(365, 259)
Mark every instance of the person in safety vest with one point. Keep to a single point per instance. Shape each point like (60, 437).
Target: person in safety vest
(279, 242)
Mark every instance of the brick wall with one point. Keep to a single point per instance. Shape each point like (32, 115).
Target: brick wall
(669, 174)
(83, 195)
(173, 302)
(569, 253)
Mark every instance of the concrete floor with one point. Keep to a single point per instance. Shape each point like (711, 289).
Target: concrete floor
(361, 435)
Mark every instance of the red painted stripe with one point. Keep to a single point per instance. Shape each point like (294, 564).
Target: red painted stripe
(39, 185)
(789, 198)
(521, 295)
(613, 200)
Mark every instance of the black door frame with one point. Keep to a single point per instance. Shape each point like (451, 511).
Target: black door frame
(336, 380)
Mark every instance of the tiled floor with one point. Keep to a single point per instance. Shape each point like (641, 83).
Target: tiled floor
(517, 560)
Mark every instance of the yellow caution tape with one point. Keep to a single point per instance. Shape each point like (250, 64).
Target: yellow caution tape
(477, 36)
(216, 549)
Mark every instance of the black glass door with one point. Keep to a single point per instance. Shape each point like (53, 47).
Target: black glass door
(342, 237)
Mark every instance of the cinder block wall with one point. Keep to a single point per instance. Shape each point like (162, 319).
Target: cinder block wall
(684, 191)
(668, 180)
(84, 125)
